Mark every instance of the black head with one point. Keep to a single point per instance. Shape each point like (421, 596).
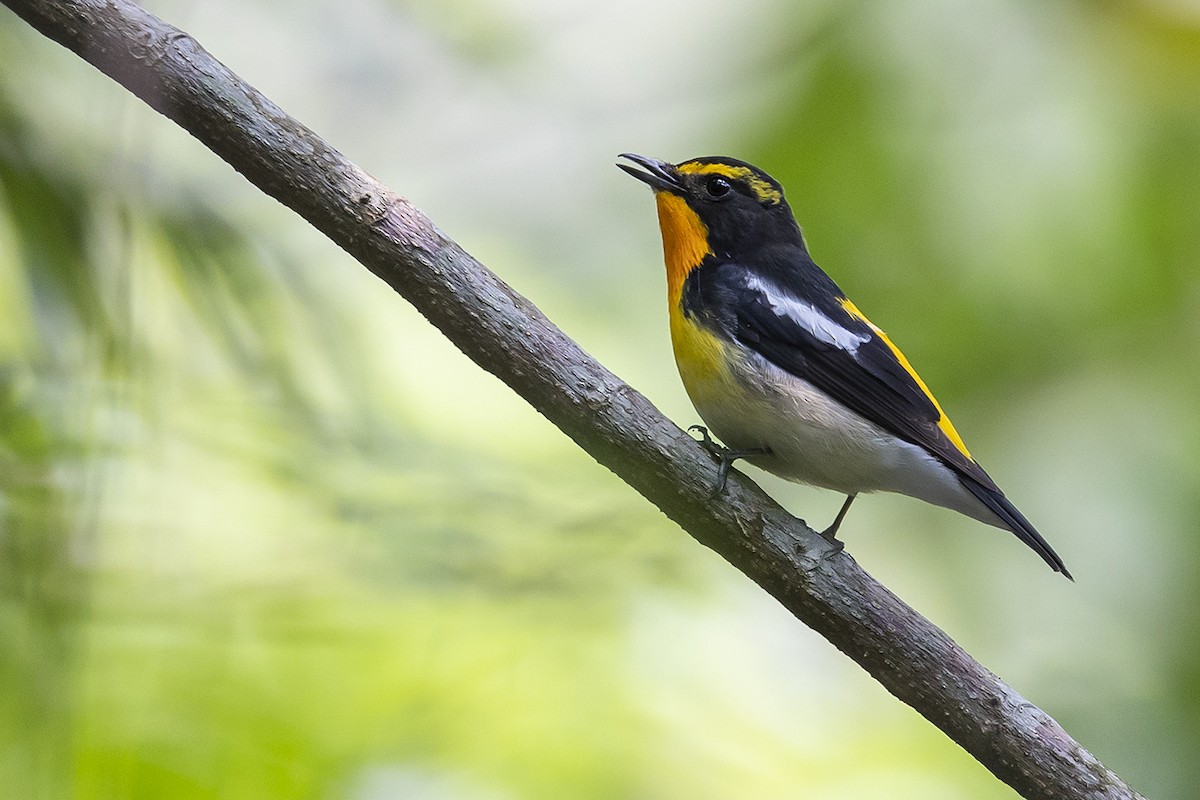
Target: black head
(741, 206)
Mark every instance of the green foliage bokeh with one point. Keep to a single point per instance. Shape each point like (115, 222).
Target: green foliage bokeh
(264, 533)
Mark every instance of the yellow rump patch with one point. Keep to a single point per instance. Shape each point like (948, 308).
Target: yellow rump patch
(763, 190)
(685, 241)
(944, 423)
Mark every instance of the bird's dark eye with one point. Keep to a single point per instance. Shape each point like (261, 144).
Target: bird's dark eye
(716, 186)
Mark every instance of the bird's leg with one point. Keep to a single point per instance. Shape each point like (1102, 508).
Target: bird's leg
(830, 533)
(725, 457)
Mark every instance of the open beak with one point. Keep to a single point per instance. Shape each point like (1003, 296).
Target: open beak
(660, 175)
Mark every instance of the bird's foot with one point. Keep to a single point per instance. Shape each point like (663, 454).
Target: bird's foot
(831, 537)
(830, 533)
(725, 457)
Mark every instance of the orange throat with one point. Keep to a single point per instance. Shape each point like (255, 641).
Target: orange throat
(685, 241)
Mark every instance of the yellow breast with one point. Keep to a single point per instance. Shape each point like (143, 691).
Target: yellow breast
(701, 356)
(704, 364)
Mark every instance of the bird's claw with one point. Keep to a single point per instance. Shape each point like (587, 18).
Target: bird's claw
(706, 440)
(830, 536)
(725, 457)
(830, 533)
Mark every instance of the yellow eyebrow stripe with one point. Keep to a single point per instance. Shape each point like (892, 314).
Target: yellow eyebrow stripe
(764, 191)
(943, 423)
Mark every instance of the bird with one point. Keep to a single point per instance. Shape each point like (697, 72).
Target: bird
(785, 369)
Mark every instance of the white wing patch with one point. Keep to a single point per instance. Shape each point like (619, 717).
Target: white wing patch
(807, 316)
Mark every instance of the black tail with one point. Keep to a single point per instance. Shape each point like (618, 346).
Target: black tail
(1015, 521)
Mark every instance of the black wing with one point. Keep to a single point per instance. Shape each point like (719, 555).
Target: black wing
(829, 343)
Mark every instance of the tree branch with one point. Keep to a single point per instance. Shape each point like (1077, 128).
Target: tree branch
(505, 334)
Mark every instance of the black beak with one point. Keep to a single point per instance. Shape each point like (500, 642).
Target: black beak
(659, 174)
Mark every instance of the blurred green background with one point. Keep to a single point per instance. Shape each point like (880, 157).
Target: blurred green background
(265, 534)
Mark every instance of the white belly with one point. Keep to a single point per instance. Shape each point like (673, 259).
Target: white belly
(816, 440)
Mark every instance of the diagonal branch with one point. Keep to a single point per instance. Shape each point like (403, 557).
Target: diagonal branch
(506, 335)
